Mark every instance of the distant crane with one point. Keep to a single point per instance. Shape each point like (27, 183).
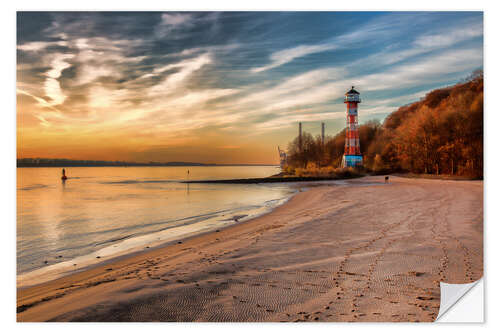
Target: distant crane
(300, 137)
(322, 134)
(282, 157)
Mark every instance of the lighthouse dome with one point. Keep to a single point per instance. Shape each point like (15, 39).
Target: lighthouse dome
(352, 91)
(352, 96)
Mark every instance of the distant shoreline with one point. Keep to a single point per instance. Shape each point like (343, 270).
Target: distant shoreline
(125, 164)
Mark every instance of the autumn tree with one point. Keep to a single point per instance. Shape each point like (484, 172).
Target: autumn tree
(440, 134)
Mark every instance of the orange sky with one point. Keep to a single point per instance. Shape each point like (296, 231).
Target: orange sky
(215, 87)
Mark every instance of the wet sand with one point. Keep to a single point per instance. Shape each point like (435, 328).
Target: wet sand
(369, 252)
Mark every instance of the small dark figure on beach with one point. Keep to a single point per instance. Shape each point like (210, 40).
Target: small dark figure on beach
(386, 179)
(64, 175)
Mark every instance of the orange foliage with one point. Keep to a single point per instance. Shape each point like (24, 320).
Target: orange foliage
(440, 134)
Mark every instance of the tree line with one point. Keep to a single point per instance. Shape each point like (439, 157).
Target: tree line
(440, 134)
(61, 162)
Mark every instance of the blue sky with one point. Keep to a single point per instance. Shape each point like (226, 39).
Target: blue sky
(223, 87)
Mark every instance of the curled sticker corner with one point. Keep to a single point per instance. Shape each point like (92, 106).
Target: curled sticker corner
(451, 293)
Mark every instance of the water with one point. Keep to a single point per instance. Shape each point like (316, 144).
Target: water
(106, 211)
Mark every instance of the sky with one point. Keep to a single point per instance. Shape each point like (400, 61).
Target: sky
(222, 87)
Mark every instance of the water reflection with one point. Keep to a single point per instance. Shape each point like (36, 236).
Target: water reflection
(101, 206)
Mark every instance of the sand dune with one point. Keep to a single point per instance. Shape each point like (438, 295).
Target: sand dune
(365, 251)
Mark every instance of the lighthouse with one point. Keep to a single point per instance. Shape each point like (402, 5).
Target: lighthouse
(352, 153)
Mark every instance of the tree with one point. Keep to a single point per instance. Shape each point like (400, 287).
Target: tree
(441, 133)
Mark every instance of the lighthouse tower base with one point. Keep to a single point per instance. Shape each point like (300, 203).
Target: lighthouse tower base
(353, 161)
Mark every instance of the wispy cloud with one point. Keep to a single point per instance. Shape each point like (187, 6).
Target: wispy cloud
(440, 40)
(52, 85)
(39, 46)
(171, 25)
(282, 57)
(185, 77)
(450, 36)
(318, 87)
(367, 32)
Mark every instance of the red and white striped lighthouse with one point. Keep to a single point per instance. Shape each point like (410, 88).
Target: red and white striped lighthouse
(352, 153)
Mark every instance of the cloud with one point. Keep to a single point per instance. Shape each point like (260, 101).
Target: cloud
(284, 56)
(424, 71)
(450, 37)
(378, 28)
(293, 90)
(176, 19)
(174, 81)
(314, 89)
(39, 46)
(199, 97)
(426, 43)
(292, 120)
(41, 101)
(171, 25)
(101, 97)
(49, 111)
(188, 65)
(91, 77)
(99, 56)
(52, 85)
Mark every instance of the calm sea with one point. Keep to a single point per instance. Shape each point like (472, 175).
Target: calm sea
(102, 212)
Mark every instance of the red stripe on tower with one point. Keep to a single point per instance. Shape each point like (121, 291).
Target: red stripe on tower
(352, 152)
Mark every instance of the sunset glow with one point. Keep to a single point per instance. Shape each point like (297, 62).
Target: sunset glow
(222, 87)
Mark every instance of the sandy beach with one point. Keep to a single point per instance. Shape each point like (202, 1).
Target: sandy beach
(365, 251)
